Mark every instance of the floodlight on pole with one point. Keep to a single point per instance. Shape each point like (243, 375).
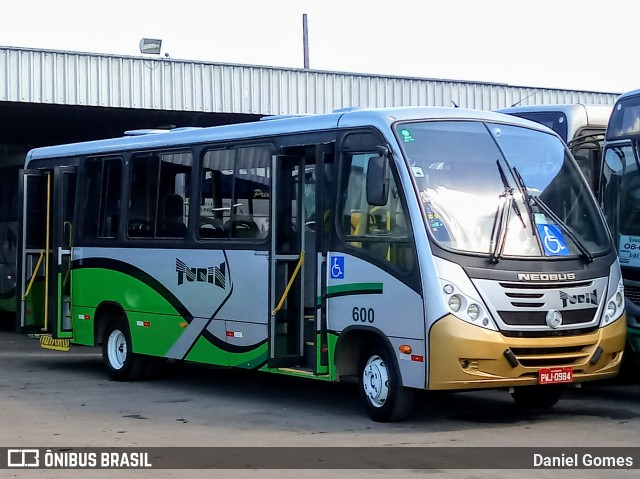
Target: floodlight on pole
(150, 46)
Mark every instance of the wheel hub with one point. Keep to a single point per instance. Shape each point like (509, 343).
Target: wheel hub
(117, 349)
(376, 381)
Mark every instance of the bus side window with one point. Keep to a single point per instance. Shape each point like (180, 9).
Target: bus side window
(382, 230)
(102, 198)
(235, 193)
(159, 195)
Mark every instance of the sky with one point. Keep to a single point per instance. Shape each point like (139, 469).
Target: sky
(588, 45)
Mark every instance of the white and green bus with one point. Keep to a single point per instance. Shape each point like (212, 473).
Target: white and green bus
(411, 248)
(620, 200)
(582, 128)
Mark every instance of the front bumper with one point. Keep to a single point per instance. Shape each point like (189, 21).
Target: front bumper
(464, 356)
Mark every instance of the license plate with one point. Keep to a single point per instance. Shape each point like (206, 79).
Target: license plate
(555, 375)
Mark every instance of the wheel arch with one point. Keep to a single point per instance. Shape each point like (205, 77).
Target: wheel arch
(105, 312)
(351, 346)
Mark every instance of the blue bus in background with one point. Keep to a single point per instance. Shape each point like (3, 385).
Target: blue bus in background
(582, 128)
(620, 201)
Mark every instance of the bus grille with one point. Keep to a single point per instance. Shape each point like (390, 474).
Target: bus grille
(577, 284)
(550, 333)
(538, 318)
(528, 296)
(552, 357)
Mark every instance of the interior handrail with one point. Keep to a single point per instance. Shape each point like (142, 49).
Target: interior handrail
(33, 277)
(286, 290)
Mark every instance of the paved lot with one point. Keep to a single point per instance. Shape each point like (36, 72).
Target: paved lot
(56, 399)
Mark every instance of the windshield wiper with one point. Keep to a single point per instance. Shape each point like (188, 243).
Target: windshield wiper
(497, 239)
(525, 199)
(501, 219)
(508, 190)
(550, 213)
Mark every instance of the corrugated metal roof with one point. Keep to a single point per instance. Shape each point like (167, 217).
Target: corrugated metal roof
(86, 79)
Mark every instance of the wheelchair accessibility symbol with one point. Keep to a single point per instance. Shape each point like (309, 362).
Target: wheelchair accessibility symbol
(552, 240)
(337, 267)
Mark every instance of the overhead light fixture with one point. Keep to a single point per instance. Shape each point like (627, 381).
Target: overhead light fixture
(150, 46)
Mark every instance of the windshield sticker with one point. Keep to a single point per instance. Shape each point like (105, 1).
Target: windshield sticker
(406, 135)
(629, 250)
(435, 223)
(417, 172)
(552, 240)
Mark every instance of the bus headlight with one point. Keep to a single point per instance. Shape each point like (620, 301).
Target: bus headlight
(619, 299)
(465, 307)
(615, 306)
(473, 311)
(455, 303)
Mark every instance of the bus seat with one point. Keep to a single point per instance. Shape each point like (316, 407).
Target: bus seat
(242, 227)
(140, 228)
(172, 224)
(211, 228)
(111, 226)
(355, 222)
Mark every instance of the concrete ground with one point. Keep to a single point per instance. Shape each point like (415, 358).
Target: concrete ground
(65, 399)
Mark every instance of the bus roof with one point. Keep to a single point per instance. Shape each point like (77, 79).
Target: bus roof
(592, 114)
(376, 117)
(624, 119)
(628, 94)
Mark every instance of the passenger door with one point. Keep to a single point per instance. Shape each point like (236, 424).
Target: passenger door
(46, 247)
(301, 216)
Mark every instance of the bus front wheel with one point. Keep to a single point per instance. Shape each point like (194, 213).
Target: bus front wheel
(537, 397)
(381, 390)
(117, 354)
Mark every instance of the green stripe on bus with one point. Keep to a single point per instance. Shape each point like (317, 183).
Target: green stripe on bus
(353, 289)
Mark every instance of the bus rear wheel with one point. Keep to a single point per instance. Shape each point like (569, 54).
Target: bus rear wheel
(384, 397)
(117, 354)
(537, 397)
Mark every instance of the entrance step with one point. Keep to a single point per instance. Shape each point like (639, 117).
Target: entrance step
(304, 372)
(58, 344)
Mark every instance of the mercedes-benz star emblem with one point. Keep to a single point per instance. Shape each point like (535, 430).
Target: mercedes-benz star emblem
(554, 318)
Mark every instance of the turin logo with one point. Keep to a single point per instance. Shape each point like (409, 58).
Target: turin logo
(212, 274)
(585, 298)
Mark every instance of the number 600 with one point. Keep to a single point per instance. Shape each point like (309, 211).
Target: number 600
(363, 315)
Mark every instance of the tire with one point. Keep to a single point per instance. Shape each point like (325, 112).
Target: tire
(537, 397)
(117, 354)
(382, 393)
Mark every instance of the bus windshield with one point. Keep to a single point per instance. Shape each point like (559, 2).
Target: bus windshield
(621, 196)
(496, 189)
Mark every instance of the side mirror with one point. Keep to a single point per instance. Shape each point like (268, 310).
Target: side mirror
(378, 180)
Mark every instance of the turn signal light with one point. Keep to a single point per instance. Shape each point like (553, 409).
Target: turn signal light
(405, 348)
